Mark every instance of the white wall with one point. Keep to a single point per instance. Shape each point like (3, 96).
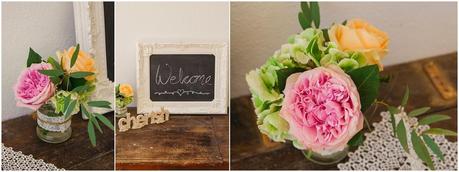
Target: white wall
(164, 22)
(44, 26)
(416, 29)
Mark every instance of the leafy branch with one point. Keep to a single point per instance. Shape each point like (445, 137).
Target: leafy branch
(421, 140)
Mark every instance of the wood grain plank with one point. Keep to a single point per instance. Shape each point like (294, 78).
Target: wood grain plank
(183, 142)
(19, 133)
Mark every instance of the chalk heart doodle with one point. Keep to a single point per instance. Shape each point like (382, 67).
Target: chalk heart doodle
(141, 120)
(180, 92)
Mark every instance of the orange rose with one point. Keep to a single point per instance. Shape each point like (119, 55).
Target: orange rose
(358, 35)
(84, 62)
(126, 90)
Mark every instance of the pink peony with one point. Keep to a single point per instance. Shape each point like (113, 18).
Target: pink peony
(322, 107)
(33, 89)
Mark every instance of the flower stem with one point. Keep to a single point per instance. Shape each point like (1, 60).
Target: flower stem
(382, 103)
(367, 123)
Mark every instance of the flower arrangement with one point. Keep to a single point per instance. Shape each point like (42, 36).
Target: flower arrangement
(63, 85)
(124, 95)
(314, 89)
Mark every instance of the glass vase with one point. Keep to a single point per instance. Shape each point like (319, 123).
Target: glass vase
(327, 159)
(53, 127)
(121, 112)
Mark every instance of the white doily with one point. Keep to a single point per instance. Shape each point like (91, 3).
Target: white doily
(12, 160)
(382, 151)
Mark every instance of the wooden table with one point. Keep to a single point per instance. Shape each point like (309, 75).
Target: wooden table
(183, 142)
(77, 153)
(252, 150)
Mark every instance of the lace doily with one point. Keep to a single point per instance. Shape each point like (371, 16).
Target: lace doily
(12, 160)
(382, 151)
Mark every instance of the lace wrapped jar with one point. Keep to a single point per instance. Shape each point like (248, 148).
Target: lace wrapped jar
(53, 127)
(328, 159)
(121, 111)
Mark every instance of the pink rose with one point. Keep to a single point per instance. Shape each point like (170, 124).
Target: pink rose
(33, 89)
(322, 107)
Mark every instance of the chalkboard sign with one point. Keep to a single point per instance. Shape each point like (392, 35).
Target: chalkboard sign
(182, 77)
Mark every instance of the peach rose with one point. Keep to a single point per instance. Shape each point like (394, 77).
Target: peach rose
(126, 90)
(358, 35)
(84, 63)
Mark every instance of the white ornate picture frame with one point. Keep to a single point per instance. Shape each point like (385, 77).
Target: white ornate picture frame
(219, 105)
(90, 34)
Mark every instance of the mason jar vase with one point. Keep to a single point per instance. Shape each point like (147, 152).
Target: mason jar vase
(53, 127)
(121, 112)
(326, 159)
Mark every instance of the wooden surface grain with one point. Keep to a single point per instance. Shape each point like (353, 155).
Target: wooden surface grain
(252, 150)
(183, 142)
(76, 153)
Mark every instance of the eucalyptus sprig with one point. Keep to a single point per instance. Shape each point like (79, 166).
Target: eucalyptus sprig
(421, 140)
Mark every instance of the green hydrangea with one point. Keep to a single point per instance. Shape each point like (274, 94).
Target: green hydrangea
(123, 101)
(58, 101)
(345, 60)
(274, 127)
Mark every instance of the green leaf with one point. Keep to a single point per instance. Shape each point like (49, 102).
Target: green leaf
(66, 102)
(55, 80)
(81, 88)
(433, 118)
(70, 108)
(419, 111)
(91, 134)
(33, 57)
(421, 150)
(405, 97)
(433, 146)
(357, 139)
(66, 83)
(51, 72)
(315, 13)
(313, 50)
(80, 74)
(440, 131)
(306, 14)
(94, 121)
(55, 64)
(401, 135)
(75, 55)
(344, 22)
(283, 74)
(104, 120)
(304, 7)
(91, 118)
(101, 104)
(303, 22)
(392, 112)
(385, 79)
(367, 81)
(76, 82)
(326, 37)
